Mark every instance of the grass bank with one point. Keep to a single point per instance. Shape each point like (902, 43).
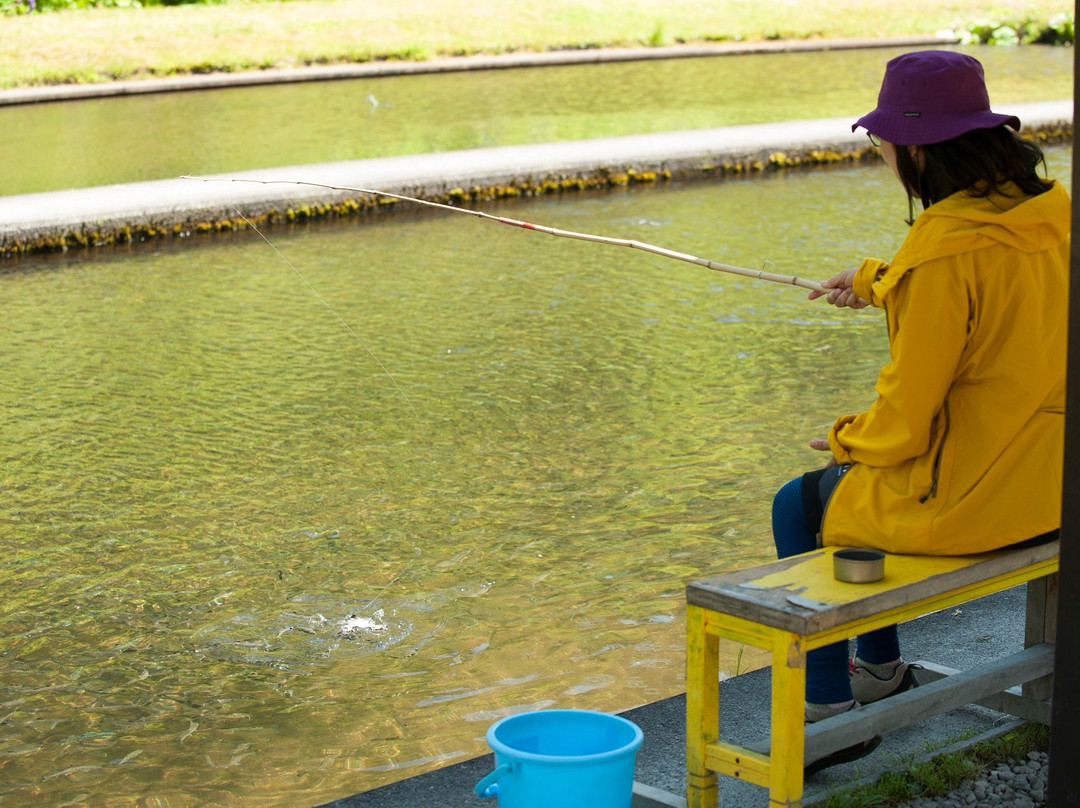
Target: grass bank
(96, 45)
(943, 774)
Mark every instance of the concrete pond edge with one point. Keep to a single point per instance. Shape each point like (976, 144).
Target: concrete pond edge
(130, 213)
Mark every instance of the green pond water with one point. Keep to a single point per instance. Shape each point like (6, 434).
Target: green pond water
(103, 141)
(256, 553)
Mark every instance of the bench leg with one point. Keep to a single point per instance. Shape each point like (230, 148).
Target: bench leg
(787, 742)
(702, 707)
(1041, 627)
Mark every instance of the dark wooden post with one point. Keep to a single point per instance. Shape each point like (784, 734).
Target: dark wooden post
(1065, 731)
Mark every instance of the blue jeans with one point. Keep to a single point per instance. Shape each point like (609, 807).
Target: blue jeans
(796, 520)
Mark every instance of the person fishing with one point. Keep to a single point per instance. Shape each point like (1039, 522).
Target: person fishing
(962, 450)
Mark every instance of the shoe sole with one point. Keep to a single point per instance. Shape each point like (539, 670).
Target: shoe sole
(855, 752)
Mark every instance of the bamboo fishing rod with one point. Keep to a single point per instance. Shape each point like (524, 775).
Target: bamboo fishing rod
(760, 275)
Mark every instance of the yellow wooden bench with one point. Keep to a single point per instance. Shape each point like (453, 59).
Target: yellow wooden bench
(794, 605)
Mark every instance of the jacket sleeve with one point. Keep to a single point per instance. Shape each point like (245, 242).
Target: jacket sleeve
(927, 312)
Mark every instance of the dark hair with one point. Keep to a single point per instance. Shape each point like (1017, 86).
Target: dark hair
(978, 162)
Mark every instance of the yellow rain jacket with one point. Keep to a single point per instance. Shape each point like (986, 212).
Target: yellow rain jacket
(962, 450)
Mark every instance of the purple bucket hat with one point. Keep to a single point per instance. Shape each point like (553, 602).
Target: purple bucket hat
(930, 97)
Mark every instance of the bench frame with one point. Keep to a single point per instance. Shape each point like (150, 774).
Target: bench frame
(794, 605)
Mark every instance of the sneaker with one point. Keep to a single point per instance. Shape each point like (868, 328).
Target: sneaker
(868, 687)
(819, 712)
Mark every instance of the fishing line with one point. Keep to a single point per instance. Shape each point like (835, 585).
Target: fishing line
(758, 274)
(416, 550)
(330, 308)
(392, 581)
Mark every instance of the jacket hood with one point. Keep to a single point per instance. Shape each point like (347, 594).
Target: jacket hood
(964, 223)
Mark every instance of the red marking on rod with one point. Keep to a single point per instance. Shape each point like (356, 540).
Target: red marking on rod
(517, 223)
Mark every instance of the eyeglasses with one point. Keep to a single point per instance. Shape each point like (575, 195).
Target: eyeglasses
(874, 139)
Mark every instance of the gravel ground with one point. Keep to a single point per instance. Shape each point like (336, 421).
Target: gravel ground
(1019, 784)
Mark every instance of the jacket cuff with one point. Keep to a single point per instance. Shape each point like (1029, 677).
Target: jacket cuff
(839, 451)
(868, 272)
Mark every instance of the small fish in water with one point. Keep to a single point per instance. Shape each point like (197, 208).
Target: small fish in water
(130, 756)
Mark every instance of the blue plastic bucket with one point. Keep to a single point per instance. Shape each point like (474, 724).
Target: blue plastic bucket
(568, 758)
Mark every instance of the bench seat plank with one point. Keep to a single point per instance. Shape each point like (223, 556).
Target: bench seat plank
(800, 594)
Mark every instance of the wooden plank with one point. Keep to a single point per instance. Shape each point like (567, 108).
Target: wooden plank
(806, 588)
(923, 702)
(914, 609)
(1041, 626)
(1012, 701)
(740, 763)
(799, 593)
(737, 629)
(872, 611)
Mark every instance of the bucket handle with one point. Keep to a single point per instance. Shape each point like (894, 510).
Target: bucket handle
(487, 787)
